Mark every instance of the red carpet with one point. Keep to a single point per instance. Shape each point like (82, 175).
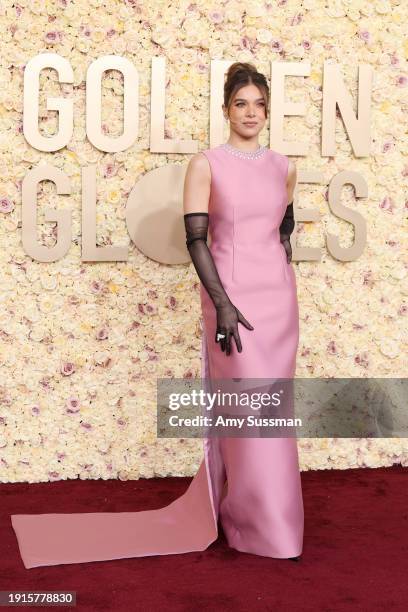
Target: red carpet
(355, 553)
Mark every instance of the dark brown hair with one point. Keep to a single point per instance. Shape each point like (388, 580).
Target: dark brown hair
(240, 74)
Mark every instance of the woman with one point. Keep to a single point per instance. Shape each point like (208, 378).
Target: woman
(239, 191)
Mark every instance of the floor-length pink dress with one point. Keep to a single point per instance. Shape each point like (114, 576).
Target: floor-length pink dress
(251, 485)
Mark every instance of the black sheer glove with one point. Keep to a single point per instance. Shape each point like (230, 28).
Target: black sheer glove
(228, 316)
(286, 228)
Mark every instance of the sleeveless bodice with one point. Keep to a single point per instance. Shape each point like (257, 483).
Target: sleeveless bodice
(247, 203)
(248, 196)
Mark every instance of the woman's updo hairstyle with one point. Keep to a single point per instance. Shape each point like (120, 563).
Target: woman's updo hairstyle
(240, 74)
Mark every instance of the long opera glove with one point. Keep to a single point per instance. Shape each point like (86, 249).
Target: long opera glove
(285, 230)
(228, 316)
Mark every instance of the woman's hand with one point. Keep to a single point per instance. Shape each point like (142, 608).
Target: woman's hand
(228, 317)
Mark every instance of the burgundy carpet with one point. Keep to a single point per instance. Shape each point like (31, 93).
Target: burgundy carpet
(355, 553)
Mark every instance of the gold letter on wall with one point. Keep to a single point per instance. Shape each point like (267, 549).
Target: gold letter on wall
(62, 105)
(29, 214)
(158, 143)
(279, 108)
(94, 103)
(341, 211)
(335, 94)
(90, 250)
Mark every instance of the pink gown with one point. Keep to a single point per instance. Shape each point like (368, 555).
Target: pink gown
(251, 485)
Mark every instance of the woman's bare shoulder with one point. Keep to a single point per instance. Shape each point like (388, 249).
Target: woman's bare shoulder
(199, 161)
(292, 173)
(197, 184)
(199, 167)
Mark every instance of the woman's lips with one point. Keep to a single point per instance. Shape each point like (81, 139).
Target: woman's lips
(250, 124)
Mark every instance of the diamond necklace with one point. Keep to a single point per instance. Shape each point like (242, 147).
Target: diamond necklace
(245, 154)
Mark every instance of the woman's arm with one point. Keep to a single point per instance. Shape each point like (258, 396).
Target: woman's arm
(197, 186)
(288, 222)
(291, 180)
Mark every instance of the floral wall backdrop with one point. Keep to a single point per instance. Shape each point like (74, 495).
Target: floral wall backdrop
(81, 344)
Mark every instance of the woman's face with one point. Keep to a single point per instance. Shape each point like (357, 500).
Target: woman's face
(246, 112)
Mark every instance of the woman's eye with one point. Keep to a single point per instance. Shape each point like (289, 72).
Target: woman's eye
(241, 103)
